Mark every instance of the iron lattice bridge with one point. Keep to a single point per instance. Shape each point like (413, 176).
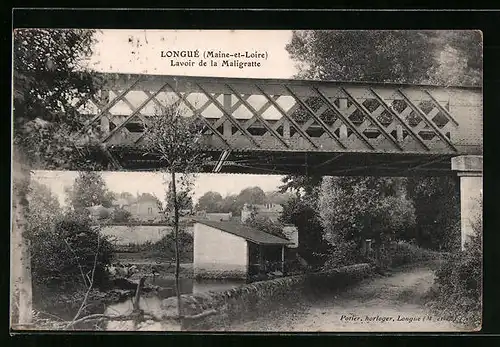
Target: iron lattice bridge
(266, 126)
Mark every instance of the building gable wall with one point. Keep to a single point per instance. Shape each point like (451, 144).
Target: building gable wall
(218, 253)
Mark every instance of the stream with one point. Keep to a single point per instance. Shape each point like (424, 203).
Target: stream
(151, 302)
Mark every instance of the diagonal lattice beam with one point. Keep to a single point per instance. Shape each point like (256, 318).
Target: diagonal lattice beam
(134, 114)
(427, 120)
(344, 119)
(228, 115)
(398, 117)
(441, 108)
(315, 117)
(259, 117)
(198, 114)
(285, 114)
(132, 108)
(221, 120)
(374, 120)
(161, 106)
(263, 109)
(110, 105)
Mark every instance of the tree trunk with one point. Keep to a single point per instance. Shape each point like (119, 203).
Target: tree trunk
(20, 281)
(176, 235)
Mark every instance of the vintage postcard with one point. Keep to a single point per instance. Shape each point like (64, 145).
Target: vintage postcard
(248, 181)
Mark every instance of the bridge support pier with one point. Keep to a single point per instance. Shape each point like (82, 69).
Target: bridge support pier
(470, 170)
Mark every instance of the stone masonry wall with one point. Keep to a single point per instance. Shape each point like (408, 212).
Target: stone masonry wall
(256, 298)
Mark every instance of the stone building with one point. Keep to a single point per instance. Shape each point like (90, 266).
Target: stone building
(234, 250)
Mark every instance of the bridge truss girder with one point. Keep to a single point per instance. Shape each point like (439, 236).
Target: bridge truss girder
(290, 126)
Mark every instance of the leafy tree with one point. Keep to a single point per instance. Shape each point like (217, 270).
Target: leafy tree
(251, 195)
(372, 55)
(303, 214)
(459, 58)
(302, 211)
(44, 209)
(48, 77)
(235, 203)
(210, 202)
(437, 57)
(214, 202)
(89, 189)
(398, 56)
(230, 204)
(436, 228)
(184, 199)
(353, 209)
(175, 138)
(307, 186)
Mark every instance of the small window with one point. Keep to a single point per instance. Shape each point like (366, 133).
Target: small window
(150, 210)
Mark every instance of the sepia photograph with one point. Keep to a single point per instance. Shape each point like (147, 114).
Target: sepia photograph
(246, 180)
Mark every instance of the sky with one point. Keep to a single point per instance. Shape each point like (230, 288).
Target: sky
(139, 51)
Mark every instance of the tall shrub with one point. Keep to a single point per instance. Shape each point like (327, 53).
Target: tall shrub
(63, 257)
(458, 284)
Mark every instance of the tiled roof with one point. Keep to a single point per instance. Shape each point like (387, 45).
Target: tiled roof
(246, 232)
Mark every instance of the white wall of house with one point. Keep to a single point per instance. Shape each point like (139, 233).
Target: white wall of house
(144, 210)
(218, 254)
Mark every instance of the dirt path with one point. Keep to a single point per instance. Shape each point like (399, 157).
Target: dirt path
(393, 303)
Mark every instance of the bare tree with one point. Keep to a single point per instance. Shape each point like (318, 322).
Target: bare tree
(175, 138)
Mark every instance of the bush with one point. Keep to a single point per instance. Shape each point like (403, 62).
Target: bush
(121, 215)
(403, 253)
(64, 254)
(342, 253)
(103, 213)
(458, 286)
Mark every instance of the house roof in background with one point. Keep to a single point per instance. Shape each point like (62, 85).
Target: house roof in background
(248, 233)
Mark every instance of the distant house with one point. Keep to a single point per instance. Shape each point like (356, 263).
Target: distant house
(144, 208)
(269, 211)
(234, 250)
